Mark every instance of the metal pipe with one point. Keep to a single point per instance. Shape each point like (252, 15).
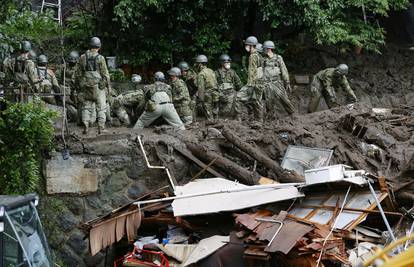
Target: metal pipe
(277, 231)
(155, 167)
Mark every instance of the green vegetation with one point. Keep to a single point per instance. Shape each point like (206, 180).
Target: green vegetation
(26, 131)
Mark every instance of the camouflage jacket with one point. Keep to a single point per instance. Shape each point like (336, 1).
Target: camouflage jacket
(130, 99)
(254, 64)
(47, 80)
(158, 92)
(274, 68)
(20, 71)
(190, 80)
(207, 83)
(180, 95)
(70, 76)
(92, 61)
(330, 81)
(228, 79)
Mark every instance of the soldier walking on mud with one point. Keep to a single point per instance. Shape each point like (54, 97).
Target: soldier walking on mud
(325, 83)
(229, 82)
(180, 96)
(252, 92)
(208, 94)
(159, 104)
(94, 80)
(275, 80)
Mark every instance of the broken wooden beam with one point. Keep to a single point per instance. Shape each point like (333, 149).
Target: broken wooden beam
(282, 175)
(201, 164)
(239, 172)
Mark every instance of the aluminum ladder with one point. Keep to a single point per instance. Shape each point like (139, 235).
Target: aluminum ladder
(53, 4)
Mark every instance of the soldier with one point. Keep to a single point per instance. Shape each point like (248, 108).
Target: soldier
(180, 96)
(324, 84)
(21, 72)
(94, 82)
(67, 75)
(252, 92)
(159, 104)
(229, 82)
(189, 77)
(48, 83)
(275, 79)
(130, 102)
(208, 94)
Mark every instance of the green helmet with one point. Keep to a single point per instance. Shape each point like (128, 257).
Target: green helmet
(174, 72)
(342, 69)
(259, 48)
(183, 66)
(251, 40)
(135, 78)
(224, 58)
(73, 56)
(42, 60)
(95, 42)
(269, 44)
(32, 55)
(25, 46)
(159, 76)
(201, 59)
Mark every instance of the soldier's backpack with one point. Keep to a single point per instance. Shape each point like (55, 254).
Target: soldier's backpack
(20, 74)
(45, 86)
(91, 78)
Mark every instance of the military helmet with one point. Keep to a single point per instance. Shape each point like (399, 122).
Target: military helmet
(135, 78)
(201, 59)
(25, 46)
(42, 60)
(174, 72)
(32, 55)
(342, 69)
(73, 56)
(269, 44)
(224, 58)
(159, 76)
(183, 65)
(95, 42)
(259, 48)
(251, 40)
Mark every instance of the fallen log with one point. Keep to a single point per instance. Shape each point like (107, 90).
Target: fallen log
(245, 176)
(281, 174)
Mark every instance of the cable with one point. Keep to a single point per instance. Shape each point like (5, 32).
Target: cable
(333, 226)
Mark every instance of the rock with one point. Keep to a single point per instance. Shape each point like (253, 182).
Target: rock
(78, 243)
(67, 221)
(75, 205)
(118, 181)
(109, 147)
(136, 168)
(118, 201)
(70, 176)
(69, 257)
(136, 190)
(94, 260)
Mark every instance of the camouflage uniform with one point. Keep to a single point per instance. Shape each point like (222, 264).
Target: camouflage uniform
(182, 101)
(229, 82)
(5, 52)
(159, 104)
(324, 84)
(127, 103)
(48, 84)
(208, 94)
(253, 91)
(275, 80)
(20, 75)
(94, 81)
(189, 77)
(71, 91)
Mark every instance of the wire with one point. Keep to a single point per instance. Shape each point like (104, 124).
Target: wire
(333, 226)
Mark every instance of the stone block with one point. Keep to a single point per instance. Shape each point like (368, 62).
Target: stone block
(70, 176)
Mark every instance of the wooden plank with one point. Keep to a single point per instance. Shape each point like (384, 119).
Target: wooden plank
(201, 164)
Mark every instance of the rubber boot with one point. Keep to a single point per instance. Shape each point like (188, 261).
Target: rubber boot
(85, 128)
(102, 130)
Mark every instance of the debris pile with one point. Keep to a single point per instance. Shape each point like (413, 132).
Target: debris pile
(324, 190)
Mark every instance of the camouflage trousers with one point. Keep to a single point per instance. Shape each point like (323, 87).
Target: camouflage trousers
(250, 95)
(166, 111)
(276, 96)
(98, 106)
(185, 112)
(226, 107)
(318, 91)
(209, 106)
